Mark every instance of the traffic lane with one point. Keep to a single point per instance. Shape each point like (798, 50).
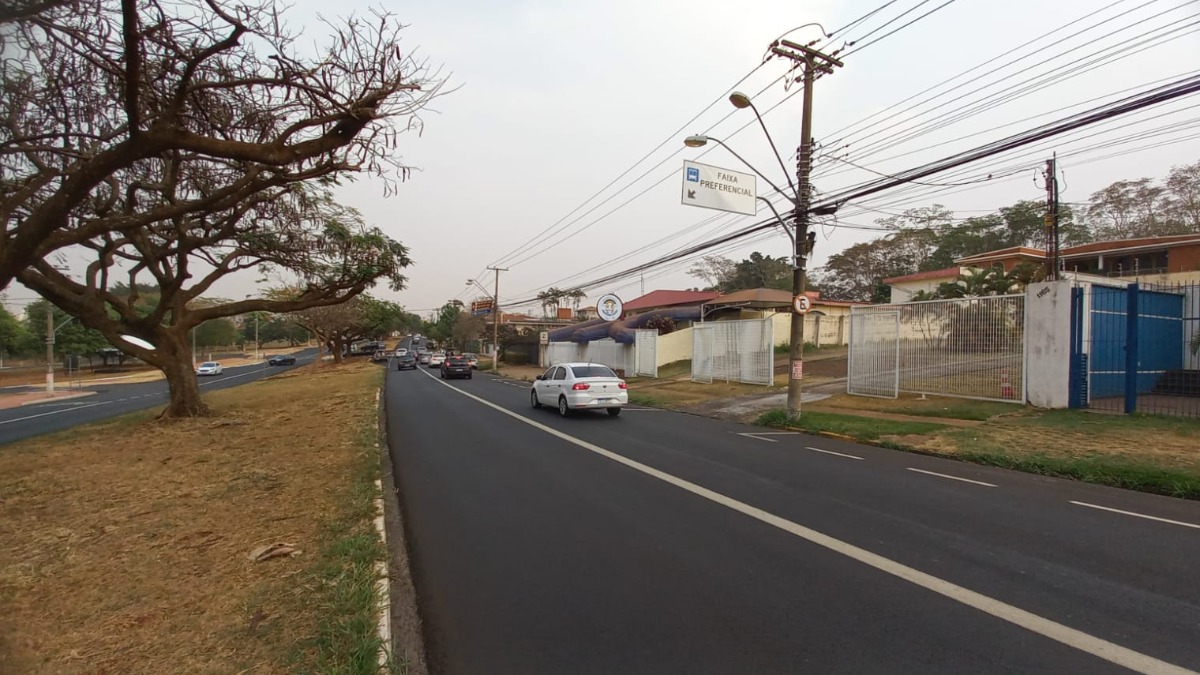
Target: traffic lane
(533, 555)
(117, 399)
(1116, 578)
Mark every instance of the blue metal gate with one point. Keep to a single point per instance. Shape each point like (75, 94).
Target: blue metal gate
(1136, 351)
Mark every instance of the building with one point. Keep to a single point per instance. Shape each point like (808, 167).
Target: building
(655, 300)
(905, 287)
(1163, 260)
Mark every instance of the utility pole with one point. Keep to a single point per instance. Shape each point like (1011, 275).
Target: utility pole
(810, 61)
(1051, 220)
(496, 319)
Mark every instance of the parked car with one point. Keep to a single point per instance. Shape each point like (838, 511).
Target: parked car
(282, 360)
(580, 386)
(406, 361)
(473, 358)
(380, 355)
(436, 359)
(456, 366)
(209, 368)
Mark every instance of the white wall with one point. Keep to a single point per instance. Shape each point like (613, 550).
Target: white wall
(1048, 344)
(612, 354)
(674, 346)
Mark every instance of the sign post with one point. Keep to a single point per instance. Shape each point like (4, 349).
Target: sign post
(712, 187)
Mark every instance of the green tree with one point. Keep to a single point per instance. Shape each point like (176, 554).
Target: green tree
(70, 336)
(14, 336)
(1183, 201)
(713, 270)
(466, 329)
(759, 271)
(217, 333)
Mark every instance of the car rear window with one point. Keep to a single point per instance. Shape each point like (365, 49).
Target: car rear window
(457, 360)
(592, 371)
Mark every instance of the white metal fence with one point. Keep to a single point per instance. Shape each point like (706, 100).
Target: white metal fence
(645, 349)
(734, 351)
(874, 357)
(968, 347)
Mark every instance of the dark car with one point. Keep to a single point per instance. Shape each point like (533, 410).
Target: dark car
(406, 362)
(456, 366)
(282, 360)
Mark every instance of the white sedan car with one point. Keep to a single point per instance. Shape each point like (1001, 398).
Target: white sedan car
(209, 368)
(436, 359)
(580, 386)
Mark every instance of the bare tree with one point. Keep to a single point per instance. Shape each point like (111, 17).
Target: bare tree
(300, 230)
(120, 115)
(11, 10)
(335, 326)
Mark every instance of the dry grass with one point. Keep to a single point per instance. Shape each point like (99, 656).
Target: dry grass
(125, 543)
(685, 393)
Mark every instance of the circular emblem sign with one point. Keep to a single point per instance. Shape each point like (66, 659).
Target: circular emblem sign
(801, 304)
(609, 307)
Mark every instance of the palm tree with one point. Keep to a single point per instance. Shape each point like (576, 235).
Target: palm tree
(576, 296)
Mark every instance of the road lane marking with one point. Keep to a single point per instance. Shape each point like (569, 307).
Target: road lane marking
(831, 452)
(946, 475)
(1137, 515)
(761, 435)
(56, 412)
(1090, 644)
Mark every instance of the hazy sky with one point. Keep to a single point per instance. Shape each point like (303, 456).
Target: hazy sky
(556, 99)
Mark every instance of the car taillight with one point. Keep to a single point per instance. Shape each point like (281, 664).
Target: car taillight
(580, 386)
(622, 385)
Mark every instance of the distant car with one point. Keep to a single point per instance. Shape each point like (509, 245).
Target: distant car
(406, 362)
(580, 386)
(423, 357)
(380, 355)
(436, 359)
(456, 366)
(473, 358)
(282, 360)
(401, 351)
(209, 368)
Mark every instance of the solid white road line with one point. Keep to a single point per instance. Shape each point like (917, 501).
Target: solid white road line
(943, 475)
(1090, 644)
(1137, 515)
(831, 452)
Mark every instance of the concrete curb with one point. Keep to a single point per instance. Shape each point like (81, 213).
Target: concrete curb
(38, 401)
(383, 611)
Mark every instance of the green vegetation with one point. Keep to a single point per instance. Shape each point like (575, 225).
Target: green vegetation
(1119, 472)
(343, 577)
(934, 406)
(1093, 423)
(854, 426)
(645, 399)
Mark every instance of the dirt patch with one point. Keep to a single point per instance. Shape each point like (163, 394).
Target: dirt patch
(126, 543)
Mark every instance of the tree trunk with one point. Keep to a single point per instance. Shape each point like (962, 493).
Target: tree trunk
(181, 380)
(336, 348)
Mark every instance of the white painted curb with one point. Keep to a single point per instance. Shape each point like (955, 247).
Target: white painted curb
(384, 608)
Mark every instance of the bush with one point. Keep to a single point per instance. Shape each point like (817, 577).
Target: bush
(516, 358)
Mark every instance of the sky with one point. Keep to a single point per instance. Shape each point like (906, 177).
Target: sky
(522, 164)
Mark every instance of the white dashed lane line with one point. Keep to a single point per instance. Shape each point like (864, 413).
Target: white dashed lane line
(831, 452)
(1137, 515)
(946, 475)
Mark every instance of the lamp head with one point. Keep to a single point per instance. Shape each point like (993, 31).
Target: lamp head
(739, 100)
(696, 141)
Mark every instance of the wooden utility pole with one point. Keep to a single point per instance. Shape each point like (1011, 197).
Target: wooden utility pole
(810, 61)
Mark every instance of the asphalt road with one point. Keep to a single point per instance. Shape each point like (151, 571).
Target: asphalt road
(114, 399)
(660, 542)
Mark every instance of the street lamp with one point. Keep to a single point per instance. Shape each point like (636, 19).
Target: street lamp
(495, 322)
(800, 203)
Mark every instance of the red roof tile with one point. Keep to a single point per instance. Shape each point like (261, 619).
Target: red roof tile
(948, 273)
(655, 299)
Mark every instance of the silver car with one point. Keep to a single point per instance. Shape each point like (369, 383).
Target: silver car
(580, 386)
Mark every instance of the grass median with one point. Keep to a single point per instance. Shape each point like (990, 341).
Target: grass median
(127, 542)
(1140, 452)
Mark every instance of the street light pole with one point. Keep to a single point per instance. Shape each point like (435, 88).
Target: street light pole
(49, 350)
(496, 319)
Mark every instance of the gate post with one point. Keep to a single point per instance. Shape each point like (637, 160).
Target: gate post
(1131, 349)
